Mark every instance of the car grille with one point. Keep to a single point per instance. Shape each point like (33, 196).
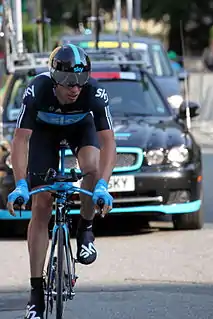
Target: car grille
(126, 161)
(70, 161)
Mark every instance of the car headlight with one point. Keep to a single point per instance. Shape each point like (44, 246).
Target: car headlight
(155, 157)
(178, 155)
(175, 101)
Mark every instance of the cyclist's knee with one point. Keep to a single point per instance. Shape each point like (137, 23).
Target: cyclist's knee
(89, 159)
(91, 178)
(91, 170)
(42, 207)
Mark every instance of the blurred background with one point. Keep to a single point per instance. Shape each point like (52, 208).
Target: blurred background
(155, 18)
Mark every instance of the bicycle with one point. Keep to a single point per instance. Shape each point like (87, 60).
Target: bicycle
(60, 277)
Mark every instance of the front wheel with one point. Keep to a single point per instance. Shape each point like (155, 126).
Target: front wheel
(60, 273)
(188, 221)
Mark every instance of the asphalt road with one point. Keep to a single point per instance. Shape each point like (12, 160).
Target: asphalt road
(157, 274)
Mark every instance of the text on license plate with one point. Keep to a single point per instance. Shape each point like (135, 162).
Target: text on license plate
(121, 183)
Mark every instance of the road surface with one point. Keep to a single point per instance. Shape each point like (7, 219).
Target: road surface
(158, 274)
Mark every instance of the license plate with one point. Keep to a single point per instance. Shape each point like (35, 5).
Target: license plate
(125, 183)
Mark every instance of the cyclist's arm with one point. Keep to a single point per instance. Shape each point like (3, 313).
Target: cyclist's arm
(24, 127)
(107, 154)
(19, 153)
(103, 122)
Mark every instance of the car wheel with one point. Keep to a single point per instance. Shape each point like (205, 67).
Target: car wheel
(188, 221)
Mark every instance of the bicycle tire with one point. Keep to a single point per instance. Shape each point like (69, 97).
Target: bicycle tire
(60, 273)
(50, 279)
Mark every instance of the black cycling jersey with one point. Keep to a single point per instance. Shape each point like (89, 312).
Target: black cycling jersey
(40, 105)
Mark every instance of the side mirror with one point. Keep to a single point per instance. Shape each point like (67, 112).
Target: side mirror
(194, 109)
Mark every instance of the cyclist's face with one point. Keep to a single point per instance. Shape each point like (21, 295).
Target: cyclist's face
(68, 94)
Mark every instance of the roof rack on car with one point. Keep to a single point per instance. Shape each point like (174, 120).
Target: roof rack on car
(126, 62)
(124, 65)
(106, 54)
(114, 56)
(16, 56)
(33, 62)
(30, 62)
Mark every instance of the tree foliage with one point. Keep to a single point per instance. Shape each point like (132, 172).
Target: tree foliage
(196, 17)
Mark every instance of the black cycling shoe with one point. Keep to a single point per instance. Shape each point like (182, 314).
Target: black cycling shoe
(36, 305)
(33, 311)
(86, 252)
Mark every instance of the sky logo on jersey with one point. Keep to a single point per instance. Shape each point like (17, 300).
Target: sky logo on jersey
(29, 91)
(102, 94)
(78, 70)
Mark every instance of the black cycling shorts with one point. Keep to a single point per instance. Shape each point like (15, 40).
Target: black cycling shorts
(45, 144)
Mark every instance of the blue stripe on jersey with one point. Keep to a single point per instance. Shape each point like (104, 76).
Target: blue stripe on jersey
(60, 119)
(76, 54)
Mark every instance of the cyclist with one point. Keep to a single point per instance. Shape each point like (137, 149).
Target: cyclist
(64, 103)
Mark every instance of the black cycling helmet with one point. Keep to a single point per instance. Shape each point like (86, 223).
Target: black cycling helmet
(69, 66)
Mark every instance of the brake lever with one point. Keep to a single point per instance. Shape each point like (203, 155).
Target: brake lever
(101, 203)
(19, 201)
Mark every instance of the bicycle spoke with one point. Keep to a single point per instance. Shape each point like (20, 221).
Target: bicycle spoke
(73, 262)
(69, 274)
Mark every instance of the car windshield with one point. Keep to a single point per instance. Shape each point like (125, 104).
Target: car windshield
(135, 98)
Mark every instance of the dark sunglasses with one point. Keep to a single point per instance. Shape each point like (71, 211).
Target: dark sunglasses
(70, 80)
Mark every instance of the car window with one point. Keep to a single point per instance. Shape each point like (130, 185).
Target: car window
(14, 102)
(160, 61)
(135, 96)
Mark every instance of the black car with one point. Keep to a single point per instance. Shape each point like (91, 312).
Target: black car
(158, 169)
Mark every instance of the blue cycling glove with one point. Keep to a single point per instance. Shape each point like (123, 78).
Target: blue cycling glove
(101, 192)
(21, 190)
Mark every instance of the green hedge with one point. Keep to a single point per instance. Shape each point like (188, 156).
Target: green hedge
(30, 35)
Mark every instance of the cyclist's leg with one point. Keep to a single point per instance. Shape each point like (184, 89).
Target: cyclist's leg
(43, 154)
(86, 147)
(83, 140)
(88, 158)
